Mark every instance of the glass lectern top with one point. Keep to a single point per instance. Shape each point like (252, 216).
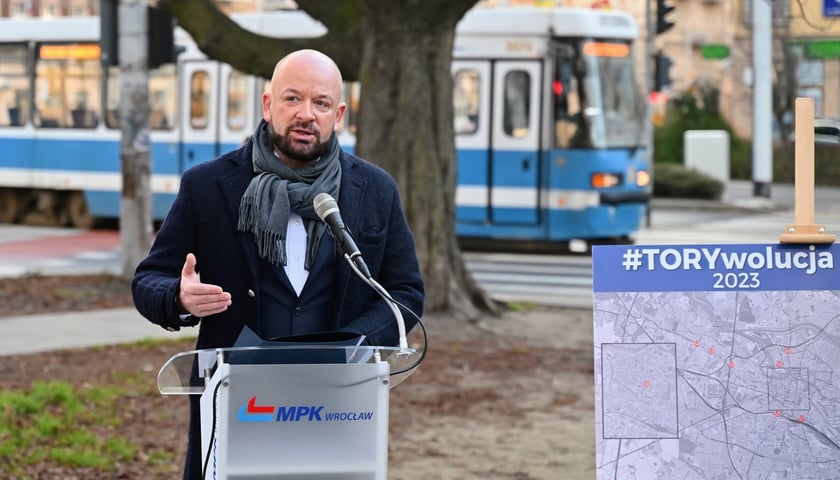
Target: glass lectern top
(186, 372)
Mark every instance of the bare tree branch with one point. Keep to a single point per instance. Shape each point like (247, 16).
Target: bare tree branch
(220, 38)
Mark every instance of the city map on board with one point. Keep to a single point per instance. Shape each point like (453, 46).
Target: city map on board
(717, 362)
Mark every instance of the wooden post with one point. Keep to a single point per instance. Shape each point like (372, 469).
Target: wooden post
(803, 229)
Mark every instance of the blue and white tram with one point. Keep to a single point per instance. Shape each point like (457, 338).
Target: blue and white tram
(59, 118)
(549, 125)
(548, 122)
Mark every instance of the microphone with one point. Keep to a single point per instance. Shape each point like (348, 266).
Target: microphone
(327, 209)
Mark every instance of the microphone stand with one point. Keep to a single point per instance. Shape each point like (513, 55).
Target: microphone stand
(388, 299)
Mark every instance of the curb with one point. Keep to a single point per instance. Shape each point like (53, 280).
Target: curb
(21, 334)
(758, 205)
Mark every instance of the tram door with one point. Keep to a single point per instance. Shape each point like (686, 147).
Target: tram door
(496, 119)
(471, 108)
(199, 112)
(514, 143)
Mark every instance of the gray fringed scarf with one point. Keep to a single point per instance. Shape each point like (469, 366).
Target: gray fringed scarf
(277, 190)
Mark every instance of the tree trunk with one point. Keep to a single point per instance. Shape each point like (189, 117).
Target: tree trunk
(405, 125)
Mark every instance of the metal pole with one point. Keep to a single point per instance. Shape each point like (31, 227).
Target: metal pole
(762, 98)
(135, 215)
(648, 122)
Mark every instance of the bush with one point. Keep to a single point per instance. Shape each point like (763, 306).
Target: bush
(826, 163)
(673, 180)
(697, 109)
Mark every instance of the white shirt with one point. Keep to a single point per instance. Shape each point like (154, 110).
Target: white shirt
(296, 252)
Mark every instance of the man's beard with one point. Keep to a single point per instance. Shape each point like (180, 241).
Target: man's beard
(303, 155)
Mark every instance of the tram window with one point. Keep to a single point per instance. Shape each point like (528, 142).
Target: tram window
(236, 101)
(199, 99)
(571, 127)
(613, 102)
(14, 86)
(67, 83)
(465, 100)
(162, 97)
(112, 98)
(517, 103)
(568, 119)
(619, 102)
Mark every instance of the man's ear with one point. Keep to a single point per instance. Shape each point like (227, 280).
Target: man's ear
(266, 106)
(339, 116)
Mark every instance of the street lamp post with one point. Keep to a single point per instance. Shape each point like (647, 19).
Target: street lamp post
(136, 205)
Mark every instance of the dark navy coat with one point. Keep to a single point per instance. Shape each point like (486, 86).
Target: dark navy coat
(203, 221)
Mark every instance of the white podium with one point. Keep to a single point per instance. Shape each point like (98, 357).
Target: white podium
(317, 411)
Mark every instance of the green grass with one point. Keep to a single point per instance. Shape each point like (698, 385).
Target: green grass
(53, 421)
(521, 306)
(156, 342)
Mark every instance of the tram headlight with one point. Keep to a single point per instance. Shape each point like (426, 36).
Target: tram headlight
(642, 178)
(605, 180)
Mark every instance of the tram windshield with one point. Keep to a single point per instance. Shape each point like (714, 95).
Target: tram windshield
(597, 103)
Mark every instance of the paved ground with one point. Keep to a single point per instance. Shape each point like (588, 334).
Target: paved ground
(57, 251)
(47, 251)
(38, 333)
(28, 250)
(740, 218)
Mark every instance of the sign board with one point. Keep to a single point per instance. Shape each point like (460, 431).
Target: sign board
(714, 52)
(823, 49)
(815, 49)
(716, 361)
(831, 8)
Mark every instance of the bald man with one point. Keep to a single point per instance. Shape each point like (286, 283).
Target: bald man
(243, 246)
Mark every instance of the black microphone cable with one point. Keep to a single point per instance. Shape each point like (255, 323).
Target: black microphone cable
(327, 209)
(387, 297)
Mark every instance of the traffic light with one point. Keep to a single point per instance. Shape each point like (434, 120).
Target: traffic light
(663, 8)
(108, 38)
(160, 36)
(661, 75)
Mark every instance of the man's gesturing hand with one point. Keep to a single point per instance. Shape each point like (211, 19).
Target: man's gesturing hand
(200, 299)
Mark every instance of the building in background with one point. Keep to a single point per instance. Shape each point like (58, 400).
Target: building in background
(806, 56)
(51, 8)
(709, 45)
(48, 8)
